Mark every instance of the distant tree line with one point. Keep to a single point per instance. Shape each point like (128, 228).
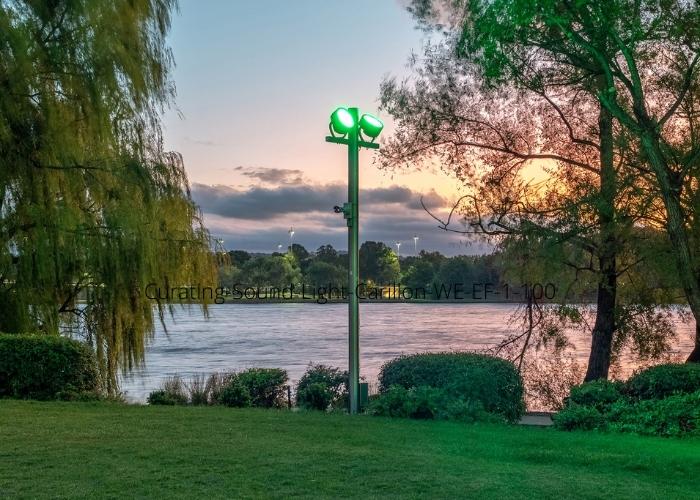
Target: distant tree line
(379, 265)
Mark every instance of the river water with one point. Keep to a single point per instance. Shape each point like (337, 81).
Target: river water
(292, 335)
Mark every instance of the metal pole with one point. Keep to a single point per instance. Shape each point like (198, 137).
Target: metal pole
(353, 267)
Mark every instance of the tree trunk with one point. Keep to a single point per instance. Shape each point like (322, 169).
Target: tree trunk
(675, 227)
(604, 328)
(695, 355)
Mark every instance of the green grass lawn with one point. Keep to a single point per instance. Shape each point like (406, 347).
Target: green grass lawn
(110, 450)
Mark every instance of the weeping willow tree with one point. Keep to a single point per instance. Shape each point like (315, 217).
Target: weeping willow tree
(91, 207)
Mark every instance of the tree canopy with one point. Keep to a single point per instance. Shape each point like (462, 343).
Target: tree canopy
(92, 209)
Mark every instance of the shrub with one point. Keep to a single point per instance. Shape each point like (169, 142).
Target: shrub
(46, 367)
(161, 397)
(198, 390)
(599, 394)
(677, 415)
(493, 382)
(322, 387)
(172, 391)
(575, 417)
(424, 402)
(421, 402)
(662, 381)
(215, 385)
(235, 394)
(266, 386)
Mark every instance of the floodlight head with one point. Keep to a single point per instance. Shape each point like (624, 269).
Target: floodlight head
(371, 125)
(342, 122)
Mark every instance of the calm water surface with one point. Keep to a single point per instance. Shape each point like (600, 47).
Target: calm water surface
(290, 336)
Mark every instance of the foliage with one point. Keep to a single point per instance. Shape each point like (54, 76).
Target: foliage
(216, 383)
(46, 367)
(161, 397)
(378, 263)
(266, 386)
(424, 402)
(322, 387)
(239, 257)
(235, 394)
(661, 381)
(273, 270)
(172, 391)
(493, 382)
(677, 415)
(198, 390)
(663, 400)
(329, 255)
(575, 417)
(673, 416)
(90, 204)
(323, 274)
(549, 379)
(419, 275)
(599, 394)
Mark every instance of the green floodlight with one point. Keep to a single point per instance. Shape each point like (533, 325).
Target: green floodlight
(371, 125)
(342, 121)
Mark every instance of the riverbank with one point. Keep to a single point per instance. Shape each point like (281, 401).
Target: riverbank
(98, 450)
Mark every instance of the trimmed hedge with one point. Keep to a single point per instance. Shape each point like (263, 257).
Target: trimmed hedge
(46, 367)
(492, 382)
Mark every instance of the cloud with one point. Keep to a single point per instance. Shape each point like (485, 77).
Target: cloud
(201, 142)
(273, 175)
(263, 203)
(257, 219)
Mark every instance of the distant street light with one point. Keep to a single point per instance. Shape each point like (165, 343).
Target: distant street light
(291, 238)
(279, 248)
(398, 248)
(348, 128)
(415, 244)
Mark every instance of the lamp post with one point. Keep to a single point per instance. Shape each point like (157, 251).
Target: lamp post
(291, 238)
(415, 244)
(349, 128)
(398, 249)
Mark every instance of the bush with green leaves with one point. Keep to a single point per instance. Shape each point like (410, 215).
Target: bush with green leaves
(322, 388)
(575, 416)
(266, 386)
(262, 387)
(598, 394)
(677, 415)
(172, 391)
(492, 382)
(424, 402)
(46, 367)
(235, 395)
(661, 381)
(161, 397)
(663, 400)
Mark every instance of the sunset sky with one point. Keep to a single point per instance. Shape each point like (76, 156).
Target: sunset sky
(256, 83)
